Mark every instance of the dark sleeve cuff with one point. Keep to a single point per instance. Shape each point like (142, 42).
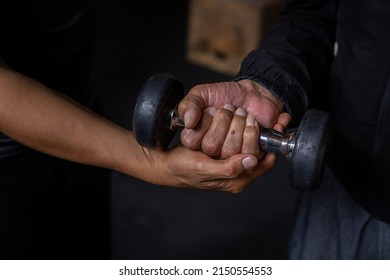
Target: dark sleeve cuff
(289, 93)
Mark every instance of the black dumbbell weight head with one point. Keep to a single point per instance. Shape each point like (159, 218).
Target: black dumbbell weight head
(156, 101)
(311, 144)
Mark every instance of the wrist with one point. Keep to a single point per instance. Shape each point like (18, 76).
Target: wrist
(141, 162)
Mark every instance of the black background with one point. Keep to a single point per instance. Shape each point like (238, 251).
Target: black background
(136, 40)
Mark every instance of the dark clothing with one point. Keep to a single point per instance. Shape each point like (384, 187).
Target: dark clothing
(331, 225)
(301, 64)
(51, 42)
(51, 208)
(9, 147)
(46, 40)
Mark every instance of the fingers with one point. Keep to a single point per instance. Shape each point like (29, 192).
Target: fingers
(237, 172)
(215, 136)
(283, 120)
(195, 169)
(231, 175)
(186, 168)
(191, 107)
(192, 138)
(234, 166)
(223, 133)
(234, 137)
(250, 143)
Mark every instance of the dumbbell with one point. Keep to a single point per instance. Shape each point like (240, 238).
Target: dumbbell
(156, 120)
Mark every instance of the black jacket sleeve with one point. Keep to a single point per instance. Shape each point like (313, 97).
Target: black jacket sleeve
(294, 60)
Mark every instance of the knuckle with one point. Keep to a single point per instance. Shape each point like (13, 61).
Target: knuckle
(188, 141)
(210, 146)
(231, 171)
(229, 150)
(224, 115)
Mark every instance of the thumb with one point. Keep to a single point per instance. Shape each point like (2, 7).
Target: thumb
(238, 164)
(191, 107)
(249, 162)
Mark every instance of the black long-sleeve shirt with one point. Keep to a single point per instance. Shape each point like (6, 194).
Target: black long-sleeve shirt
(335, 56)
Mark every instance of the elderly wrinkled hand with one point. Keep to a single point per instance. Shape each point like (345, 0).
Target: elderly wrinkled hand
(225, 119)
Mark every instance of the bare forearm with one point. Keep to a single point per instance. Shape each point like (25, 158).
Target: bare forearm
(49, 122)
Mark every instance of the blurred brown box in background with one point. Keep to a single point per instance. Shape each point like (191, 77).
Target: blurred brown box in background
(222, 32)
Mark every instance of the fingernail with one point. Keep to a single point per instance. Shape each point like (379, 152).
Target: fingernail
(229, 107)
(249, 163)
(212, 111)
(250, 121)
(240, 112)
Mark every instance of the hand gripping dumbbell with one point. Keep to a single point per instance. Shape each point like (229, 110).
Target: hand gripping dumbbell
(155, 122)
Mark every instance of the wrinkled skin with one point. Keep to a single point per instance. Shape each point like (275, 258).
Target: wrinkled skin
(247, 94)
(224, 119)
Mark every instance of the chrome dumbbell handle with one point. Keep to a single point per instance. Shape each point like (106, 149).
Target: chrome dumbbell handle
(277, 142)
